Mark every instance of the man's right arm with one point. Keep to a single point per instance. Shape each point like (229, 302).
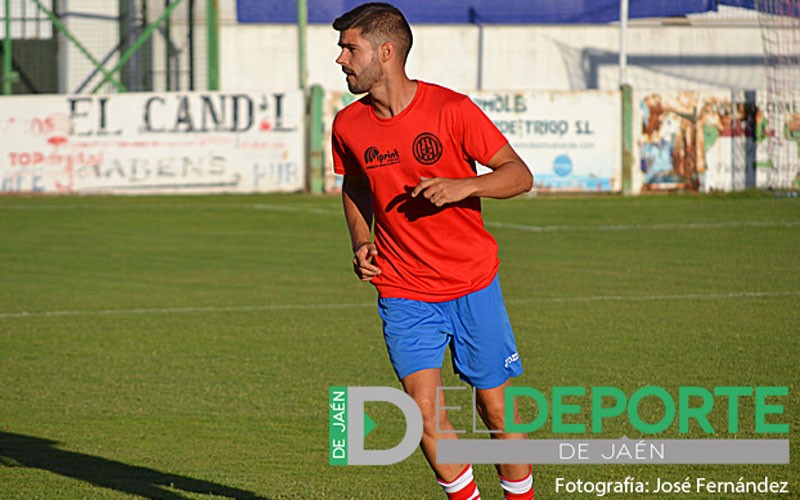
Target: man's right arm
(357, 203)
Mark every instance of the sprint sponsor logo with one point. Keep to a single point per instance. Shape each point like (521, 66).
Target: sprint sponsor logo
(373, 158)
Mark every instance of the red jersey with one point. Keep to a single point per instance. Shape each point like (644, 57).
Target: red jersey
(425, 252)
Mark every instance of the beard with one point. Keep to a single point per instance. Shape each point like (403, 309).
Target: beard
(372, 74)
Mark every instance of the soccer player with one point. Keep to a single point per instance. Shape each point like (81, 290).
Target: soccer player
(408, 151)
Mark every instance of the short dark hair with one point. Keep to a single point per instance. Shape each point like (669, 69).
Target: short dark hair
(378, 22)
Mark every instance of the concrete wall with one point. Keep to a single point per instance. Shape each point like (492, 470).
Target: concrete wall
(694, 55)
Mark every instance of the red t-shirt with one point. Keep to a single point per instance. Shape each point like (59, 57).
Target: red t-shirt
(425, 252)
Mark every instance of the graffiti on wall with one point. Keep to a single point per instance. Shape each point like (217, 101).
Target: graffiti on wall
(709, 141)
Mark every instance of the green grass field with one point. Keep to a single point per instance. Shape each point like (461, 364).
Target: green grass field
(182, 347)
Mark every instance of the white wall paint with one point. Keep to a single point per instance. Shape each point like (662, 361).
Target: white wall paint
(514, 57)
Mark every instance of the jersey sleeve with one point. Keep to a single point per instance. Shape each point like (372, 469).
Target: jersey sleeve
(343, 161)
(481, 138)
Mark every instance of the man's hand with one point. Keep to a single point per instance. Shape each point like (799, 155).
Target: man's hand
(509, 177)
(441, 191)
(362, 265)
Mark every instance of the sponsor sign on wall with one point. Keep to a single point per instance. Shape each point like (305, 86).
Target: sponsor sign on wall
(153, 143)
(569, 140)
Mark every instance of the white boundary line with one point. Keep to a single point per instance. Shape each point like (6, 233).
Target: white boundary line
(270, 207)
(285, 307)
(647, 298)
(626, 227)
(177, 310)
(336, 212)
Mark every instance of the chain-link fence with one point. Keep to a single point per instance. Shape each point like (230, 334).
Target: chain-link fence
(84, 46)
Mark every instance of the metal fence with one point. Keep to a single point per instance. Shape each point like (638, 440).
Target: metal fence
(89, 46)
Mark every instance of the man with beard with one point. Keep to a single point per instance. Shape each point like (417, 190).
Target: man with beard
(408, 153)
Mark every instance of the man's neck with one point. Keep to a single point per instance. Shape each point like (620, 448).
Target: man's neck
(391, 98)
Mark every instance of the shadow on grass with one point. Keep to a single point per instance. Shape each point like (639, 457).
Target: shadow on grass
(17, 450)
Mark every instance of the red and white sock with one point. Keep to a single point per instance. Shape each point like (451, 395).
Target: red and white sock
(521, 489)
(463, 487)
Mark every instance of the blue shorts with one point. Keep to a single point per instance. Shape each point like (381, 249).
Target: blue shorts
(475, 326)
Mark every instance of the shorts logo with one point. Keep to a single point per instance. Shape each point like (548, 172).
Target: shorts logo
(512, 358)
(427, 148)
(373, 158)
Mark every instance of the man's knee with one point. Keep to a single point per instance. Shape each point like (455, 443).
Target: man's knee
(493, 414)
(435, 420)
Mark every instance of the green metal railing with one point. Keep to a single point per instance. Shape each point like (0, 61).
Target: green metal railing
(212, 48)
(626, 95)
(148, 32)
(63, 29)
(109, 75)
(9, 76)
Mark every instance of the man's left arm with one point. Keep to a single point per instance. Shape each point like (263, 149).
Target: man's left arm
(509, 177)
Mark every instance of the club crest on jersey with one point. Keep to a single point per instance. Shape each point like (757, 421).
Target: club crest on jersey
(373, 158)
(427, 148)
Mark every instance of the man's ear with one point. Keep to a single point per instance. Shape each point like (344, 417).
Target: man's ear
(386, 51)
